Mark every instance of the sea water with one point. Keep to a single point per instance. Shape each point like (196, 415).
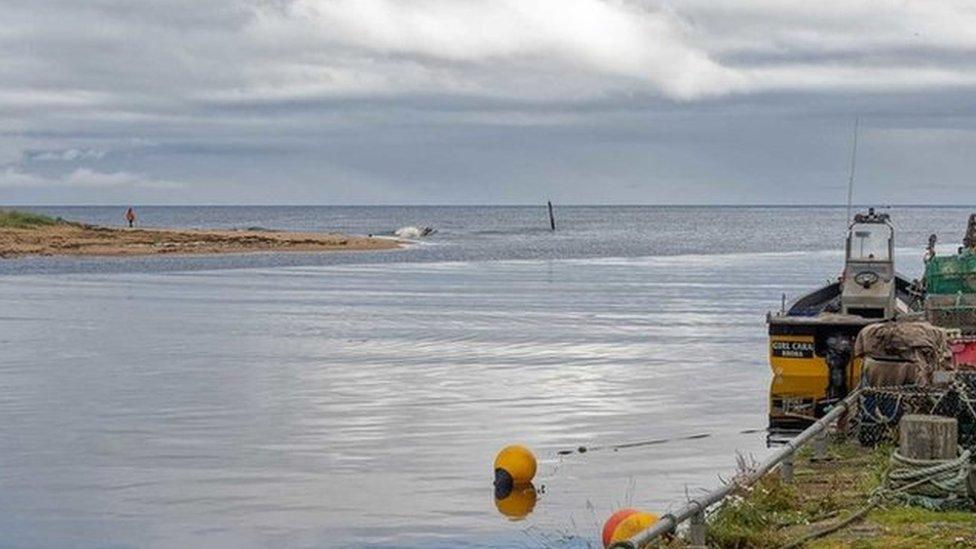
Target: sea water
(358, 398)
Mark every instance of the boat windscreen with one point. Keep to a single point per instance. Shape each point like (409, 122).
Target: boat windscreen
(869, 242)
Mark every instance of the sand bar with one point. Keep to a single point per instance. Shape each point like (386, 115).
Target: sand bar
(65, 238)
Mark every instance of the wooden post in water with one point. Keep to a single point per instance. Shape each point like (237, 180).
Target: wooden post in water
(552, 219)
(927, 437)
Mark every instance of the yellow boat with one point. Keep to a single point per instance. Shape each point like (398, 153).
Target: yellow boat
(811, 340)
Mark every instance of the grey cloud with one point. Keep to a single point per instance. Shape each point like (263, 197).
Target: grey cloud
(489, 101)
(63, 155)
(124, 56)
(12, 177)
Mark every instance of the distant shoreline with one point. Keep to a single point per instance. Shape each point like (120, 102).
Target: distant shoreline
(24, 234)
(879, 206)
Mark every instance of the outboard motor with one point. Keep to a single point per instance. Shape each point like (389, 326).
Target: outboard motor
(868, 286)
(838, 358)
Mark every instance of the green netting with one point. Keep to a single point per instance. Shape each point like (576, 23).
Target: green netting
(951, 274)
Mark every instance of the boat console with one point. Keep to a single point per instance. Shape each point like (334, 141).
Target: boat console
(868, 283)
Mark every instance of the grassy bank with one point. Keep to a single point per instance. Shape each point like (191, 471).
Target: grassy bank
(16, 219)
(825, 493)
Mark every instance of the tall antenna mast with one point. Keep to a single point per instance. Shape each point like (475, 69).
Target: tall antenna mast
(850, 182)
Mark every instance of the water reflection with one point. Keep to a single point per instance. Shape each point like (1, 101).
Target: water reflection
(355, 405)
(515, 501)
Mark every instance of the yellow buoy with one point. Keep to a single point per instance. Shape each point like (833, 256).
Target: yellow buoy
(515, 464)
(517, 503)
(631, 526)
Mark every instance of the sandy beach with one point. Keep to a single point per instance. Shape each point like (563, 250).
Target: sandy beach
(77, 239)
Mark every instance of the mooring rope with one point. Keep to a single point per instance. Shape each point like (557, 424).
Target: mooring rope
(938, 484)
(945, 478)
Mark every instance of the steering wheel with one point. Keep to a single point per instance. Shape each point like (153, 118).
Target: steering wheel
(866, 278)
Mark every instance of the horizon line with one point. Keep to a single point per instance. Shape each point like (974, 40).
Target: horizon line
(473, 205)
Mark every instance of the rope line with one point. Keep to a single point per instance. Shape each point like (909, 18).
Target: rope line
(625, 445)
(935, 484)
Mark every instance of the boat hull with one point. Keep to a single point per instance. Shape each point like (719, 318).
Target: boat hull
(802, 386)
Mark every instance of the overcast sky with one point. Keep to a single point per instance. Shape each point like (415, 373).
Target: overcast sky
(486, 101)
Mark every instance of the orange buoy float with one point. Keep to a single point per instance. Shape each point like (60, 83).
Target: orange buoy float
(611, 524)
(514, 465)
(625, 524)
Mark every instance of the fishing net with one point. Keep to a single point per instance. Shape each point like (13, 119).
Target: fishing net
(874, 419)
(951, 274)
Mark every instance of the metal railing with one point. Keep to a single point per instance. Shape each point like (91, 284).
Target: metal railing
(695, 508)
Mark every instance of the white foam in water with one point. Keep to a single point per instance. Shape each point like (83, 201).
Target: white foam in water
(413, 232)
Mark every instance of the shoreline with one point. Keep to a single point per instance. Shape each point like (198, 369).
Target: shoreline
(74, 239)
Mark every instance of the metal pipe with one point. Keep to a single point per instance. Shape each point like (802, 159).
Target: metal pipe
(669, 522)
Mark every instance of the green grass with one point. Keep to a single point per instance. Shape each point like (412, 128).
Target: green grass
(907, 528)
(773, 513)
(16, 219)
(756, 519)
(913, 515)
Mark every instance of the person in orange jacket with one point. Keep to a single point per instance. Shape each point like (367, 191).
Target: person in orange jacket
(130, 216)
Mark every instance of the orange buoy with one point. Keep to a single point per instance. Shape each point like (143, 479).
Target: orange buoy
(611, 524)
(631, 525)
(514, 465)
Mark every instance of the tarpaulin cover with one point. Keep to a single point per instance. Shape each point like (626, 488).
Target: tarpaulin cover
(902, 352)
